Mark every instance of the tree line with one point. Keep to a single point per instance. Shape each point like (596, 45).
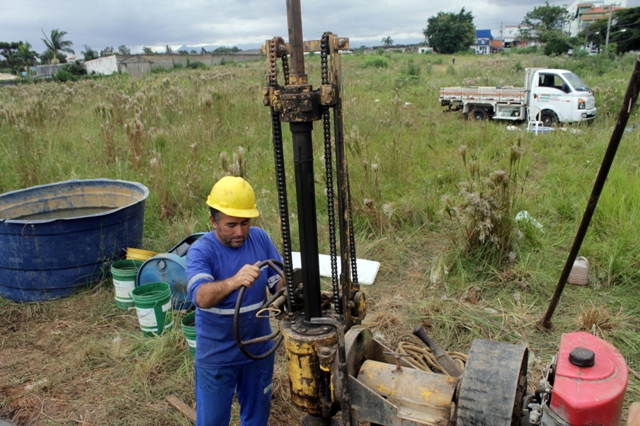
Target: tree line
(17, 57)
(456, 32)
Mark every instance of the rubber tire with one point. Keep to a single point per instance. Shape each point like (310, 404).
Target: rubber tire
(479, 114)
(493, 384)
(548, 118)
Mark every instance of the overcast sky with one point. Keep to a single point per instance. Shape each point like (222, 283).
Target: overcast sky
(243, 23)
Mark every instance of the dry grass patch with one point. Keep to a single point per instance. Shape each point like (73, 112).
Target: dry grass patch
(596, 319)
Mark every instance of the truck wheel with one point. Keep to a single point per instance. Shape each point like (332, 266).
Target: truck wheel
(479, 114)
(548, 118)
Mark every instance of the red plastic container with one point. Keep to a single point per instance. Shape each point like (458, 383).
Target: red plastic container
(589, 395)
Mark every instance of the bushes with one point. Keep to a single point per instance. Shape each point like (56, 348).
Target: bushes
(525, 50)
(196, 65)
(229, 62)
(517, 67)
(376, 61)
(410, 74)
(191, 65)
(159, 70)
(63, 76)
(74, 68)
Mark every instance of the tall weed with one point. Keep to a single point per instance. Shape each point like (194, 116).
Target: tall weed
(484, 210)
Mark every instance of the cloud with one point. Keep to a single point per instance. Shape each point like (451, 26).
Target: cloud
(137, 23)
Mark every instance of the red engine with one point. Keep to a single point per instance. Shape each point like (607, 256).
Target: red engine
(585, 384)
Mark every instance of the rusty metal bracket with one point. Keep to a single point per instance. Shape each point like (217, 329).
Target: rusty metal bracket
(326, 355)
(327, 95)
(299, 104)
(340, 43)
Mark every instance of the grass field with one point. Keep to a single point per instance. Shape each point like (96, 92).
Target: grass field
(426, 187)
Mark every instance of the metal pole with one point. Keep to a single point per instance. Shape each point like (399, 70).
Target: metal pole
(303, 162)
(630, 99)
(294, 20)
(606, 44)
(307, 220)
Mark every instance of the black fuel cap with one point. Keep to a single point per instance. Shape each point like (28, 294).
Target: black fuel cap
(582, 357)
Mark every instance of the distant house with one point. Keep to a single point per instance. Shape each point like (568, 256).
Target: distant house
(584, 13)
(496, 46)
(483, 42)
(510, 35)
(518, 36)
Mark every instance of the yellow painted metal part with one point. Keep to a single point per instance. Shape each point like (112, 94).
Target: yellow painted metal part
(420, 396)
(306, 378)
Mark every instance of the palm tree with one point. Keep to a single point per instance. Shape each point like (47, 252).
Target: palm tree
(387, 41)
(57, 44)
(26, 56)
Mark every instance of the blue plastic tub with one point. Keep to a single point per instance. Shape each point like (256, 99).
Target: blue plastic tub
(58, 237)
(170, 268)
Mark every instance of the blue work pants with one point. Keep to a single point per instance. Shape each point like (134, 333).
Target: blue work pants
(252, 382)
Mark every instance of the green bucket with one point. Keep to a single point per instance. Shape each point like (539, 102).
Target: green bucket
(153, 305)
(124, 274)
(189, 329)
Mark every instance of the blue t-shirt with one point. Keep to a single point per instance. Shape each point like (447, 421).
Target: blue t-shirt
(209, 260)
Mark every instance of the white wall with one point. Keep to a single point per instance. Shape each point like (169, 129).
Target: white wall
(107, 65)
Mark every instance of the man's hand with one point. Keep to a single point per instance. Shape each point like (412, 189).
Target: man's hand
(246, 276)
(213, 293)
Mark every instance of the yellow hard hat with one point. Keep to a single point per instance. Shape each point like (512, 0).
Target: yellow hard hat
(233, 196)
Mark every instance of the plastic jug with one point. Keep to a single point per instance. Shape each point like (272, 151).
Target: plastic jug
(580, 272)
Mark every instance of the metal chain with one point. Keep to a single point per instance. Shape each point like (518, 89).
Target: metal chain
(352, 238)
(328, 160)
(285, 69)
(273, 65)
(281, 183)
(324, 51)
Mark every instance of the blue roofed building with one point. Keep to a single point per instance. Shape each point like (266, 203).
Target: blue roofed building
(483, 42)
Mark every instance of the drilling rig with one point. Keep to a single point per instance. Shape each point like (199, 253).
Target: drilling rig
(333, 363)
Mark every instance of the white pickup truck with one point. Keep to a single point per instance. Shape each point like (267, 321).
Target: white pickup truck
(552, 95)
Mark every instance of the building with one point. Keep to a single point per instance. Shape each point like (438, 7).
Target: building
(582, 14)
(483, 42)
(518, 36)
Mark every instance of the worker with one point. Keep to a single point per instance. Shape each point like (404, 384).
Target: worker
(218, 264)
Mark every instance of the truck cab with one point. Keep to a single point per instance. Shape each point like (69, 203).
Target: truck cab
(560, 96)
